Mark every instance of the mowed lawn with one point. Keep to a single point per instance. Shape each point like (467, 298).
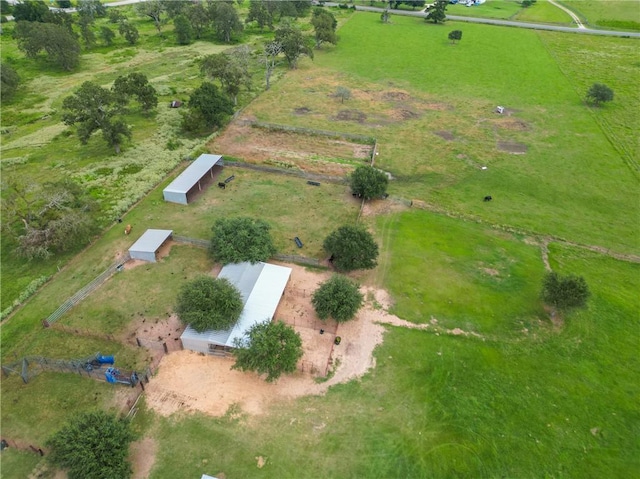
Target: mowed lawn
(527, 400)
(573, 168)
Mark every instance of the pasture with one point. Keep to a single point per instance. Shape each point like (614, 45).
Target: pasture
(522, 397)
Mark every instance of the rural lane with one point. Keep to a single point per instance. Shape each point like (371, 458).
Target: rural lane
(570, 13)
(507, 23)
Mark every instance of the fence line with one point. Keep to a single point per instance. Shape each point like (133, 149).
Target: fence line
(83, 332)
(193, 241)
(85, 291)
(312, 131)
(23, 446)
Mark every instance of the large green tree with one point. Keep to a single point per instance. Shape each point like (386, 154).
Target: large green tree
(199, 17)
(293, 43)
(61, 46)
(565, 292)
(230, 68)
(94, 108)
(154, 9)
(226, 22)
(368, 182)
(208, 108)
(30, 11)
(324, 25)
(437, 12)
(93, 444)
(351, 248)
(271, 348)
(129, 32)
(9, 81)
(240, 239)
(183, 30)
(338, 298)
(260, 13)
(207, 303)
(135, 85)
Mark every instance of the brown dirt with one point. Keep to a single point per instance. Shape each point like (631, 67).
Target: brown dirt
(188, 381)
(351, 115)
(446, 135)
(403, 114)
(512, 147)
(142, 455)
(513, 124)
(380, 207)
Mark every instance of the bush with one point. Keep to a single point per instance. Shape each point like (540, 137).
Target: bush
(351, 247)
(207, 303)
(240, 239)
(337, 298)
(565, 292)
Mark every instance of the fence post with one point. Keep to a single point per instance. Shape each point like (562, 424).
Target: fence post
(166, 350)
(138, 341)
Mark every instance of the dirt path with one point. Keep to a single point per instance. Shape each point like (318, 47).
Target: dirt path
(570, 13)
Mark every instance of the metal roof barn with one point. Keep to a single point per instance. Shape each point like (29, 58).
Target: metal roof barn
(192, 179)
(148, 244)
(261, 286)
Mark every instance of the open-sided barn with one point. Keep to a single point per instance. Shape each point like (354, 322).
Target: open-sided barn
(147, 246)
(261, 286)
(197, 175)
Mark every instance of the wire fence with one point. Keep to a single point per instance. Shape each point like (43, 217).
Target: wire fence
(83, 332)
(289, 172)
(85, 291)
(369, 140)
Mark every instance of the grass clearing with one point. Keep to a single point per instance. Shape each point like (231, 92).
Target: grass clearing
(609, 14)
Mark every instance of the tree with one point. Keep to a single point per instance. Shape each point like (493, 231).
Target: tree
(183, 29)
(351, 247)
(107, 35)
(240, 239)
(129, 32)
(271, 52)
(31, 11)
(64, 3)
(5, 8)
(93, 444)
(260, 13)
(209, 304)
(368, 182)
(455, 35)
(293, 43)
(198, 16)
(343, 93)
(599, 93)
(61, 46)
(527, 3)
(230, 68)
(91, 8)
(48, 218)
(226, 22)
(208, 107)
(9, 81)
(89, 38)
(566, 292)
(273, 348)
(95, 108)
(436, 13)
(154, 10)
(135, 85)
(338, 298)
(324, 24)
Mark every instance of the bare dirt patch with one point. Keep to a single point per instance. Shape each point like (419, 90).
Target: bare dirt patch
(396, 96)
(189, 381)
(143, 456)
(512, 147)
(381, 207)
(445, 135)
(402, 114)
(513, 124)
(351, 115)
(309, 153)
(302, 110)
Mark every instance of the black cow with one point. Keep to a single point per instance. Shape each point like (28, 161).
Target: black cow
(487, 198)
(222, 185)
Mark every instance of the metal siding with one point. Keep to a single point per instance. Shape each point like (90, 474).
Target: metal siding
(146, 246)
(262, 287)
(186, 180)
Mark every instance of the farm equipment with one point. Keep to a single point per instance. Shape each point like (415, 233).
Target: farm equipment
(114, 376)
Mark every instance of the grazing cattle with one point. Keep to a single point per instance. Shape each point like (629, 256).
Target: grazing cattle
(222, 185)
(127, 230)
(487, 198)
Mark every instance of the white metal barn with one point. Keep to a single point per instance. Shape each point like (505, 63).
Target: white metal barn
(191, 180)
(148, 245)
(261, 286)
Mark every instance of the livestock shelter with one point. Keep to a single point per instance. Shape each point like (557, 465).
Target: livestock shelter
(147, 246)
(261, 286)
(197, 175)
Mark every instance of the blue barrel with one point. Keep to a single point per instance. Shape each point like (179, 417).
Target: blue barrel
(110, 375)
(105, 359)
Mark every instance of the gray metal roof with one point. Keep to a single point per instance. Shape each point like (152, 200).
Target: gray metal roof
(261, 286)
(151, 240)
(194, 173)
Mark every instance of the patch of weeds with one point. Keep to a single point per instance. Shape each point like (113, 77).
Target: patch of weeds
(105, 171)
(173, 144)
(330, 374)
(280, 163)
(130, 170)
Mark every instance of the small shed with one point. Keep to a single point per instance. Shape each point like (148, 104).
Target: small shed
(261, 286)
(148, 244)
(197, 175)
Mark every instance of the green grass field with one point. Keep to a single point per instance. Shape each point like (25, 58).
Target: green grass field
(525, 397)
(613, 14)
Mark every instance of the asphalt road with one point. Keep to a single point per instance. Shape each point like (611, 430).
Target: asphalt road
(505, 23)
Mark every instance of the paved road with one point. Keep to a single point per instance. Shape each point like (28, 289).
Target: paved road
(506, 23)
